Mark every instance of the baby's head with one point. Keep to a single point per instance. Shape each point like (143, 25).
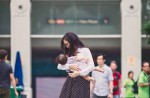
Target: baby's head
(61, 59)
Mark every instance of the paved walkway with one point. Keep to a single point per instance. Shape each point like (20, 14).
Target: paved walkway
(49, 87)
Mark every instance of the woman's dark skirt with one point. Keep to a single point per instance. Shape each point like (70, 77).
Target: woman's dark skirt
(75, 88)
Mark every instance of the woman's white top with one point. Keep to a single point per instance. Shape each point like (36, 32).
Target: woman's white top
(85, 66)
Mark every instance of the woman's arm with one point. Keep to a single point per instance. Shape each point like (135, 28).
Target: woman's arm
(90, 63)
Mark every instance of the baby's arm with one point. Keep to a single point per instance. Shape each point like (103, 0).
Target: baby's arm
(73, 67)
(63, 67)
(98, 69)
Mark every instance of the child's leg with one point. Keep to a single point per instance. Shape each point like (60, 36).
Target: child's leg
(88, 78)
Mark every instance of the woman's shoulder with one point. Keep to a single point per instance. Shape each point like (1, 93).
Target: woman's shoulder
(83, 49)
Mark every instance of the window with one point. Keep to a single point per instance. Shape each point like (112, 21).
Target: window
(82, 17)
(4, 17)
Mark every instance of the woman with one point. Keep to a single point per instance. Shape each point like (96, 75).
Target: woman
(148, 73)
(75, 85)
(128, 83)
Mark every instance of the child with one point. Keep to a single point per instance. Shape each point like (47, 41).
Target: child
(80, 61)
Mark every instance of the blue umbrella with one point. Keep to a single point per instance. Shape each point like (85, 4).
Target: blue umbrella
(18, 70)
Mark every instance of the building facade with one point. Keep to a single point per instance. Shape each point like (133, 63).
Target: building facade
(36, 27)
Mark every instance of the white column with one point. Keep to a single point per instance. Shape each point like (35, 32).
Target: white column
(20, 39)
(131, 37)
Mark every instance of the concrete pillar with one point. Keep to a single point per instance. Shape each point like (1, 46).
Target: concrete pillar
(20, 39)
(131, 37)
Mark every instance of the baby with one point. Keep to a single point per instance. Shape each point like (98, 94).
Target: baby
(78, 60)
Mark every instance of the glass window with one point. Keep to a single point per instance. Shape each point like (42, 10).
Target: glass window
(5, 44)
(82, 17)
(145, 10)
(4, 17)
(145, 17)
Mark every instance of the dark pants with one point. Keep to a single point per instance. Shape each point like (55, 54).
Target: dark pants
(4, 93)
(95, 96)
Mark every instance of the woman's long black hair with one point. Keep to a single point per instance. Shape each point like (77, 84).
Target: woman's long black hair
(74, 42)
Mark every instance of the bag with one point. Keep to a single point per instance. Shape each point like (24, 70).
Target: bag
(115, 88)
(135, 87)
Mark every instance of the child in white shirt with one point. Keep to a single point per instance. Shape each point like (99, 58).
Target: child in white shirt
(80, 60)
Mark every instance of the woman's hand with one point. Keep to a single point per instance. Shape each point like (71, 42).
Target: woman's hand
(74, 67)
(74, 74)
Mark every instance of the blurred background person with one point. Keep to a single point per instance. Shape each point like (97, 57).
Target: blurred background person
(148, 73)
(128, 83)
(117, 80)
(6, 76)
(143, 84)
(103, 87)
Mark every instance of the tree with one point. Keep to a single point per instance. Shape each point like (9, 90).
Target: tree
(146, 30)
